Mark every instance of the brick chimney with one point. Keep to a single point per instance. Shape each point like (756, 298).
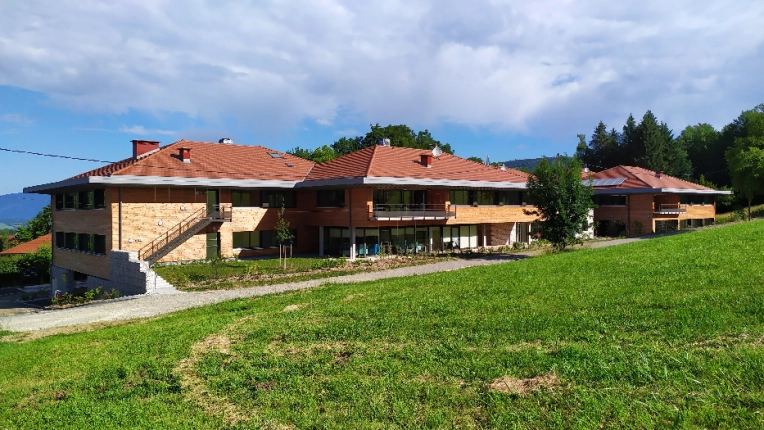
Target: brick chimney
(184, 154)
(141, 147)
(426, 160)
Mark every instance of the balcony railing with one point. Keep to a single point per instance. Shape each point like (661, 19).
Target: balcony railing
(217, 213)
(670, 208)
(392, 212)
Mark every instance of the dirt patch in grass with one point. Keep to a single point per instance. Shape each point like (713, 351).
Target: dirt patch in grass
(522, 387)
(194, 385)
(292, 308)
(352, 296)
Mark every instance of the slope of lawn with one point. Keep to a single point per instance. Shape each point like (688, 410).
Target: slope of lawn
(664, 332)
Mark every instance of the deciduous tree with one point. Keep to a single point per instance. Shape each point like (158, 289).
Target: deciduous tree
(746, 157)
(562, 201)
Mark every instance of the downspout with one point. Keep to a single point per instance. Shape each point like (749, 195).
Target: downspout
(120, 218)
(628, 215)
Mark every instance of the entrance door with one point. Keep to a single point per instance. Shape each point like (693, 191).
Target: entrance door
(213, 245)
(213, 203)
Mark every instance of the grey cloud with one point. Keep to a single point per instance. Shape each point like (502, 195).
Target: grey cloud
(552, 66)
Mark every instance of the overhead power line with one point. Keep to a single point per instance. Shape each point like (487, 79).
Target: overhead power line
(19, 151)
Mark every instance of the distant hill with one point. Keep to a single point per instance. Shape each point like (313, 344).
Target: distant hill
(18, 208)
(530, 163)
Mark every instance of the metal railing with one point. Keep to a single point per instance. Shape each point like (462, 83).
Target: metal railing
(217, 213)
(405, 210)
(671, 208)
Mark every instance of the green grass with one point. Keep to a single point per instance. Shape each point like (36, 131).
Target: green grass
(227, 274)
(740, 214)
(661, 333)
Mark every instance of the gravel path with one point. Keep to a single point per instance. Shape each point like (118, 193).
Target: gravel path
(147, 306)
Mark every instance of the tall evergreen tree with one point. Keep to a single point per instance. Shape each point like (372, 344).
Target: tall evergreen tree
(628, 138)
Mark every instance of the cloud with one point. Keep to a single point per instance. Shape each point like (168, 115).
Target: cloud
(552, 66)
(142, 131)
(18, 119)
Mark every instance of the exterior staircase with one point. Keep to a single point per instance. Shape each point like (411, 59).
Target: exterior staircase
(183, 231)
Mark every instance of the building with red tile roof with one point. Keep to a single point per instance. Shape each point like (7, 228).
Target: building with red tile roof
(636, 201)
(28, 247)
(192, 200)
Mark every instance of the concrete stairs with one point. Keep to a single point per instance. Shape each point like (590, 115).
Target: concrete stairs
(155, 284)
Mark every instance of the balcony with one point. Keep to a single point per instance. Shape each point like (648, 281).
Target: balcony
(403, 212)
(670, 209)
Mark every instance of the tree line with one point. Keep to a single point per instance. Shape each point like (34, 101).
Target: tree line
(399, 135)
(700, 153)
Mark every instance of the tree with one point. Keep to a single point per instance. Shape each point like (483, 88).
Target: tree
(562, 201)
(476, 159)
(704, 152)
(746, 157)
(319, 155)
(283, 234)
(38, 226)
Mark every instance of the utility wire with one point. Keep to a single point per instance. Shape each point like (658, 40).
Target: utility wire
(19, 151)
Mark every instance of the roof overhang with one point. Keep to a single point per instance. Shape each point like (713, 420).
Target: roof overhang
(164, 181)
(410, 182)
(659, 191)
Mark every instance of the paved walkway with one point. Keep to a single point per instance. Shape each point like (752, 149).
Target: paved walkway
(147, 306)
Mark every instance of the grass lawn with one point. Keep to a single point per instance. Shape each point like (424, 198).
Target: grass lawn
(667, 332)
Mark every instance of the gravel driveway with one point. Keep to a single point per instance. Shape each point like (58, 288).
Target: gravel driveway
(147, 306)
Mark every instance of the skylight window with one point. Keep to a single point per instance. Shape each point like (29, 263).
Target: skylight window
(275, 155)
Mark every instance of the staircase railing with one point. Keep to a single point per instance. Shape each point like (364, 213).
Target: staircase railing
(217, 213)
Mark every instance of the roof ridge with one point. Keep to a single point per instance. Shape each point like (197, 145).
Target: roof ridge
(371, 160)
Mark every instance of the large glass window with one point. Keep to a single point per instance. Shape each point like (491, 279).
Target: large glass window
(246, 239)
(279, 198)
(60, 240)
(460, 197)
(330, 198)
(242, 199)
(59, 201)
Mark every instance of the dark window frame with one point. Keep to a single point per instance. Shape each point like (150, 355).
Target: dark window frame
(330, 198)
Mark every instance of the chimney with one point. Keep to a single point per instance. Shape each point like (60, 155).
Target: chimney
(142, 147)
(658, 174)
(184, 154)
(426, 160)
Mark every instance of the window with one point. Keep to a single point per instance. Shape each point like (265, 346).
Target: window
(483, 197)
(59, 201)
(99, 199)
(275, 155)
(696, 199)
(70, 201)
(513, 198)
(243, 199)
(60, 240)
(99, 244)
(330, 198)
(70, 241)
(279, 198)
(85, 242)
(246, 239)
(460, 197)
(85, 200)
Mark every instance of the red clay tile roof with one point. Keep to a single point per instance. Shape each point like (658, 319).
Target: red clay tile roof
(211, 160)
(28, 247)
(397, 162)
(637, 177)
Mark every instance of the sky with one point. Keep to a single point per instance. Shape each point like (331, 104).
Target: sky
(505, 79)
